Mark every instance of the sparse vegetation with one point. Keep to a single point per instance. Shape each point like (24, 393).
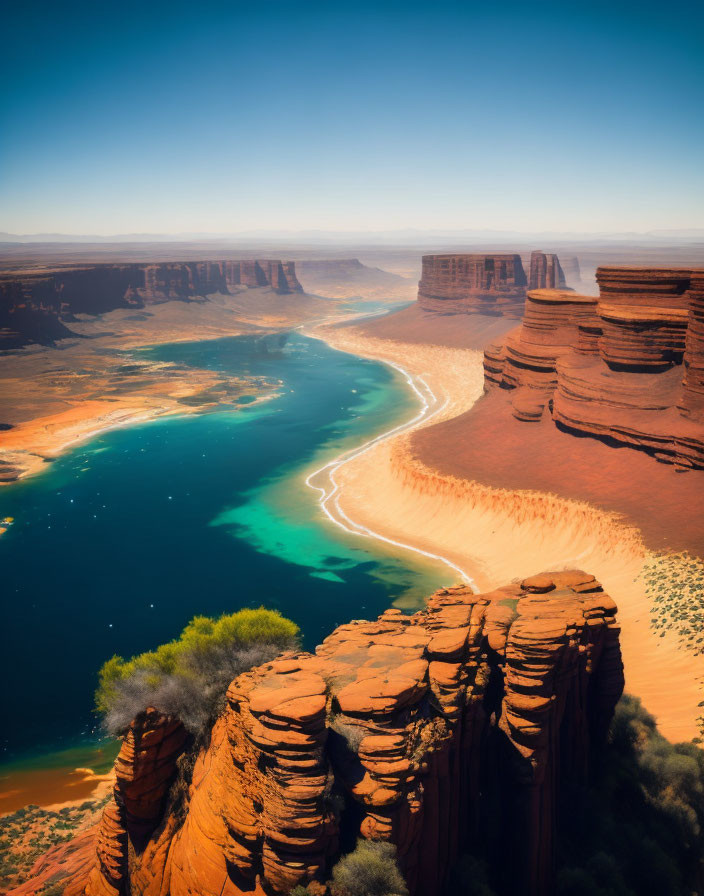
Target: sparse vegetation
(369, 870)
(640, 826)
(28, 833)
(189, 677)
(674, 583)
(636, 829)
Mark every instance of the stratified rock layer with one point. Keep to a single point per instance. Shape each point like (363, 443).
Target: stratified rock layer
(691, 403)
(526, 362)
(482, 284)
(35, 307)
(545, 272)
(144, 769)
(451, 727)
(627, 367)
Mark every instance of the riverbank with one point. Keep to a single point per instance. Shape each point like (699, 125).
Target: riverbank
(53, 397)
(163, 391)
(497, 533)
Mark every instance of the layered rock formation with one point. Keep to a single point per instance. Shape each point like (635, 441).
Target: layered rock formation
(691, 402)
(545, 272)
(627, 366)
(35, 307)
(483, 284)
(526, 361)
(453, 728)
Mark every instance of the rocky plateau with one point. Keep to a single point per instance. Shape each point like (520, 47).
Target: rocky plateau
(493, 284)
(626, 366)
(39, 306)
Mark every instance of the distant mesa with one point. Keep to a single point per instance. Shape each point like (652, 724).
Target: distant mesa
(626, 366)
(494, 284)
(545, 272)
(35, 307)
(571, 268)
(347, 278)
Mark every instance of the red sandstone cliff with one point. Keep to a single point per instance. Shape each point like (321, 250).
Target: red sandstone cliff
(627, 366)
(484, 284)
(453, 726)
(545, 272)
(36, 307)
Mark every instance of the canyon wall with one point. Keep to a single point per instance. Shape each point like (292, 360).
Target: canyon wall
(483, 284)
(545, 272)
(455, 728)
(626, 366)
(490, 283)
(36, 307)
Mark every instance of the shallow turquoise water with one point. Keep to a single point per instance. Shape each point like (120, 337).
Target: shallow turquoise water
(119, 543)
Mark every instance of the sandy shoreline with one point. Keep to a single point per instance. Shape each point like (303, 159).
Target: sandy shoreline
(499, 534)
(165, 390)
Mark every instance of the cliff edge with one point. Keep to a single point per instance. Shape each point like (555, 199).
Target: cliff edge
(457, 725)
(626, 367)
(35, 306)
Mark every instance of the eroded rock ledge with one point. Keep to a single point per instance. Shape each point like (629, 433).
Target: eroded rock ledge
(627, 366)
(455, 727)
(488, 283)
(37, 306)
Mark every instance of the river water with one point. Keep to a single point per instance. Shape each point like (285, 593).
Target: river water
(121, 541)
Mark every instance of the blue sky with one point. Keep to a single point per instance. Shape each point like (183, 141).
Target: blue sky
(222, 117)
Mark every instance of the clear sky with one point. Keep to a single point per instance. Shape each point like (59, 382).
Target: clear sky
(221, 117)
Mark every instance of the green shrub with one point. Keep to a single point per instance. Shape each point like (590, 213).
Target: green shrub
(188, 677)
(640, 828)
(370, 870)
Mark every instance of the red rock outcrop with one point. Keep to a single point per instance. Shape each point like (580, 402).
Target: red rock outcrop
(545, 272)
(479, 283)
(453, 726)
(691, 403)
(526, 361)
(36, 307)
(145, 769)
(627, 367)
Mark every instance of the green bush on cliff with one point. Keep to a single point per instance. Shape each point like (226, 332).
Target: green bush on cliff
(188, 677)
(369, 870)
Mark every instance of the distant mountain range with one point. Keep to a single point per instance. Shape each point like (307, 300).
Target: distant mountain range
(381, 237)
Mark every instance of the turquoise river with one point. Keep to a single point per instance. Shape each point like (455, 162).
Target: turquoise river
(121, 541)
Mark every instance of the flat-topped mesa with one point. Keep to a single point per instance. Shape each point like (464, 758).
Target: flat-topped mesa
(571, 268)
(433, 731)
(644, 314)
(34, 307)
(526, 363)
(478, 283)
(545, 272)
(657, 287)
(627, 367)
